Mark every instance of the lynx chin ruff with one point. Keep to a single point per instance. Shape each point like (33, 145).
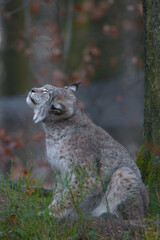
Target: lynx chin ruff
(94, 172)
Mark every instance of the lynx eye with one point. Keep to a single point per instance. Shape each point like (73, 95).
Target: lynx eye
(57, 111)
(45, 91)
(57, 108)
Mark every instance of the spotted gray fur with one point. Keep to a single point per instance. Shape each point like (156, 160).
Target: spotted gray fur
(111, 181)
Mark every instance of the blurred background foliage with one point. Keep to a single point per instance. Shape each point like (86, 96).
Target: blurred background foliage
(67, 41)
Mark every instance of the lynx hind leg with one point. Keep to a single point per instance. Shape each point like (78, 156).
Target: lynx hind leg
(126, 195)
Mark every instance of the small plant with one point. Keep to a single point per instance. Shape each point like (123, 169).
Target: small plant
(126, 235)
(154, 199)
(152, 232)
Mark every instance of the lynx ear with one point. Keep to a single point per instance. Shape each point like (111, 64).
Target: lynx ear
(74, 86)
(57, 108)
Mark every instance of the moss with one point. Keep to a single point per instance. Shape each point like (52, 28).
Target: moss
(154, 169)
(149, 165)
(143, 162)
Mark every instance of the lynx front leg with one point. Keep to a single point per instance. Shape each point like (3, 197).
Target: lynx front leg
(61, 203)
(67, 200)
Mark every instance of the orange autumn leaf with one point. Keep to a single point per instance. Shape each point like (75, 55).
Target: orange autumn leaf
(113, 62)
(7, 151)
(140, 63)
(75, 77)
(29, 191)
(81, 18)
(38, 136)
(95, 51)
(56, 54)
(13, 219)
(51, 28)
(63, 13)
(45, 71)
(87, 58)
(7, 139)
(6, 15)
(88, 6)
(110, 30)
(119, 98)
(17, 144)
(3, 132)
(27, 52)
(58, 78)
(90, 70)
(48, 1)
(35, 7)
(25, 172)
(96, 63)
(104, 5)
(19, 45)
(77, 8)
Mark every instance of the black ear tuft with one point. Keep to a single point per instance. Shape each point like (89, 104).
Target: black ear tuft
(74, 86)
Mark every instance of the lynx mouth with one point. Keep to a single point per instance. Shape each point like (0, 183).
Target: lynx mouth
(33, 101)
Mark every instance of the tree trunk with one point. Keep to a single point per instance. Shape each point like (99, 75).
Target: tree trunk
(149, 156)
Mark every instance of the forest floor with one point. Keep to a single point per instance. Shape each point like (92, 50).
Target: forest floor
(19, 219)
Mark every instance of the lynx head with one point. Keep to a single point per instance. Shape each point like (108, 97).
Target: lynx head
(52, 103)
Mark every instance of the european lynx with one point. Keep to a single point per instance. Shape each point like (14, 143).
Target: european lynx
(87, 158)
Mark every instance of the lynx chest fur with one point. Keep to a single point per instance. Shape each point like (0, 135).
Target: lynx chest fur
(75, 144)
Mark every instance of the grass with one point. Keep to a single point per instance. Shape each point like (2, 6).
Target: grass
(154, 195)
(19, 218)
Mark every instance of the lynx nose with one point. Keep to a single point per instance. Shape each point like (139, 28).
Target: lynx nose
(33, 90)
